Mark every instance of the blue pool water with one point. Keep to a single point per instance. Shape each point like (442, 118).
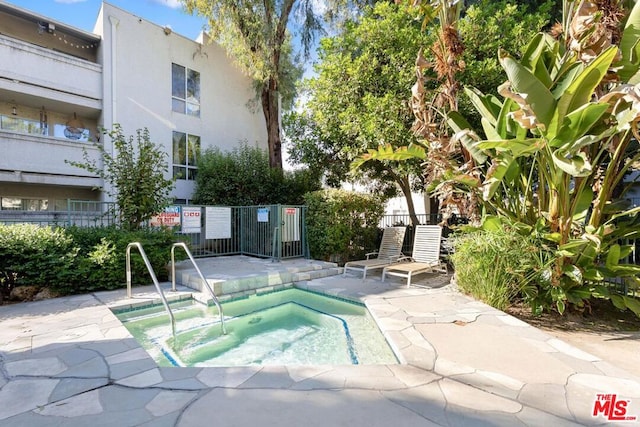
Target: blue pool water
(288, 327)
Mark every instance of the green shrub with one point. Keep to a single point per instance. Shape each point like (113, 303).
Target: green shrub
(104, 261)
(342, 225)
(34, 255)
(495, 266)
(243, 177)
(77, 260)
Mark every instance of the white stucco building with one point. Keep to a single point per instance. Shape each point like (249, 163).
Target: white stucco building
(59, 85)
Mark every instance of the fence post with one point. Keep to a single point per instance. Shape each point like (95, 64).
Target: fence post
(278, 232)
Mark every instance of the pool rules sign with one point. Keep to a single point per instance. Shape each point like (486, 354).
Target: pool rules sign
(191, 219)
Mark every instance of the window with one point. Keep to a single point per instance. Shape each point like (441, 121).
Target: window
(19, 204)
(22, 125)
(185, 90)
(186, 149)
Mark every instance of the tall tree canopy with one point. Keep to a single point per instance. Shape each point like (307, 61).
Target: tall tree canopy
(256, 34)
(359, 100)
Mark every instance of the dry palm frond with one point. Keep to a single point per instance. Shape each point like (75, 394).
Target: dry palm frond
(594, 27)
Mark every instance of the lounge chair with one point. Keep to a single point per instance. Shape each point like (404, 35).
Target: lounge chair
(389, 252)
(425, 257)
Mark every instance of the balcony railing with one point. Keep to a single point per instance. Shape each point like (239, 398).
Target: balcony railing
(22, 125)
(43, 72)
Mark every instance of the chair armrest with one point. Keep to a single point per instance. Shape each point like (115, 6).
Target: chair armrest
(370, 254)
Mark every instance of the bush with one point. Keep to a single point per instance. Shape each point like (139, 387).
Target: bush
(495, 266)
(136, 174)
(243, 177)
(34, 255)
(77, 260)
(104, 264)
(342, 225)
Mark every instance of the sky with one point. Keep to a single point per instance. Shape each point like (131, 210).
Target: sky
(83, 13)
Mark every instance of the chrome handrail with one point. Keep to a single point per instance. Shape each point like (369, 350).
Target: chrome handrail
(204, 280)
(155, 282)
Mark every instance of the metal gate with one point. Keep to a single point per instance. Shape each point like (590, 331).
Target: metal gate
(269, 231)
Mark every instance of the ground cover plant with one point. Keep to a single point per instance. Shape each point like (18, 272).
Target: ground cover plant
(496, 266)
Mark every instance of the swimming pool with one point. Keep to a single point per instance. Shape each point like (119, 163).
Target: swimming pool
(287, 327)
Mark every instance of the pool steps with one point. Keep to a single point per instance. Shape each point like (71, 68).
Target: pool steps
(265, 276)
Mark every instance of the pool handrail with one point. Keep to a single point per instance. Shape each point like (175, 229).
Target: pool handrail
(204, 280)
(153, 277)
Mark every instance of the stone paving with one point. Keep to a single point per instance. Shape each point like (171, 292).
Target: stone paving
(70, 362)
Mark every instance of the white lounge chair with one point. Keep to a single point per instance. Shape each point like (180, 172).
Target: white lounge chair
(389, 252)
(425, 257)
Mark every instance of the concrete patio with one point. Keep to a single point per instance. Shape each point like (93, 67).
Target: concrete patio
(69, 361)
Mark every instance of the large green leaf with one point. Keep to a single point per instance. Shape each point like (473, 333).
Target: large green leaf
(613, 256)
(386, 152)
(496, 174)
(487, 105)
(533, 50)
(630, 48)
(578, 122)
(583, 203)
(575, 164)
(489, 129)
(533, 58)
(491, 223)
(505, 122)
(580, 91)
(524, 82)
(569, 74)
(632, 304)
(516, 147)
(459, 125)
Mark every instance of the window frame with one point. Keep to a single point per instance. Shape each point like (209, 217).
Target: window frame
(185, 90)
(188, 168)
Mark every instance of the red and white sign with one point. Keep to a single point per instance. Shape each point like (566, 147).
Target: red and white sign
(169, 218)
(191, 219)
(612, 408)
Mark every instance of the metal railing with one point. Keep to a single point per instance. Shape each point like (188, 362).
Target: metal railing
(250, 230)
(155, 282)
(204, 280)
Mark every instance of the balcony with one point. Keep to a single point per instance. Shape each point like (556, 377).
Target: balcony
(44, 76)
(37, 159)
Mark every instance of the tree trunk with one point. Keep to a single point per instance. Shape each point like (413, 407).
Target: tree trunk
(406, 190)
(271, 110)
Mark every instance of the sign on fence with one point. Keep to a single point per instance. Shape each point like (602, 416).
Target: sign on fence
(218, 223)
(169, 218)
(191, 219)
(263, 214)
(291, 225)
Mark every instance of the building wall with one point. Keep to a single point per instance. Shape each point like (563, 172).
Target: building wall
(137, 55)
(120, 73)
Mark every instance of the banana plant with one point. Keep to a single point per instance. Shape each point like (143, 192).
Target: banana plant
(556, 148)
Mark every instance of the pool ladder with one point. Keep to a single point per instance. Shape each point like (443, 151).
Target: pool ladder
(204, 280)
(138, 245)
